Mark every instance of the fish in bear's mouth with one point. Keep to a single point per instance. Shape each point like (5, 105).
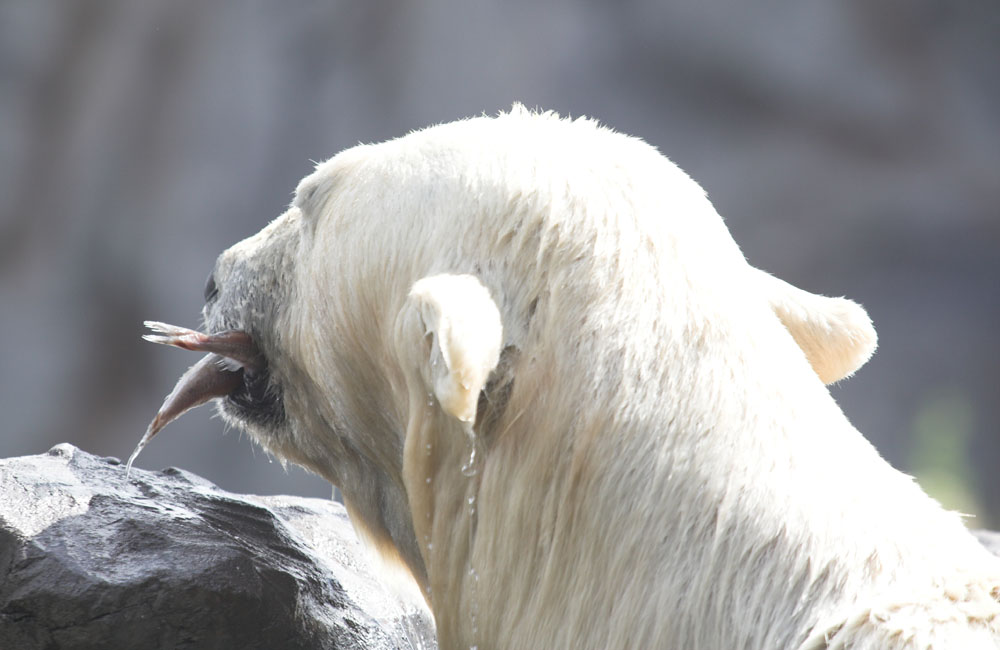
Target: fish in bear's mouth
(234, 368)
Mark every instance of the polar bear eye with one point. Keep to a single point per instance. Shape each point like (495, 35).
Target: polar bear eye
(211, 290)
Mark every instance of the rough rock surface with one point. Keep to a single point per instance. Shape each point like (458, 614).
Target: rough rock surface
(90, 559)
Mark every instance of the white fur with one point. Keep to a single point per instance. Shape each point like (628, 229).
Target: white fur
(658, 463)
(835, 334)
(455, 315)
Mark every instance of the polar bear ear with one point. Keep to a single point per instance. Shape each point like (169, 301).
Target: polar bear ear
(449, 330)
(836, 334)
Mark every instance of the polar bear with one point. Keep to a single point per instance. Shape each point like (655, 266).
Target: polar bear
(550, 386)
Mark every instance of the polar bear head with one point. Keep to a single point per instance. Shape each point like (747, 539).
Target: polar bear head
(476, 316)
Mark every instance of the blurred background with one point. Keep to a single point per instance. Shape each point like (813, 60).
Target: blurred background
(853, 148)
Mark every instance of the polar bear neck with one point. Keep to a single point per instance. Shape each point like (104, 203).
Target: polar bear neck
(756, 515)
(725, 545)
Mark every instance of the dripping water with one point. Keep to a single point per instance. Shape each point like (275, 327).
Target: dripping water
(469, 470)
(428, 450)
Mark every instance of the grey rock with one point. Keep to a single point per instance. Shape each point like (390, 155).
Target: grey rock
(90, 559)
(990, 539)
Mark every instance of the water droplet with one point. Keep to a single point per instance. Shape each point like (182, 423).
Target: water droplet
(469, 469)
(428, 480)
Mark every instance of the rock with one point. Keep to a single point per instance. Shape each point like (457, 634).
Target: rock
(90, 559)
(990, 539)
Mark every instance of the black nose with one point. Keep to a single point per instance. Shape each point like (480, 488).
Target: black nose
(211, 290)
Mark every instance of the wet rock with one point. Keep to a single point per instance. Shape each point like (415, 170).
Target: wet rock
(990, 539)
(90, 559)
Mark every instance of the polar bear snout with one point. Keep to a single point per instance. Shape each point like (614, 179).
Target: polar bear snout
(257, 402)
(244, 295)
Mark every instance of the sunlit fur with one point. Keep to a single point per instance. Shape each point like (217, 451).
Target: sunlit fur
(659, 463)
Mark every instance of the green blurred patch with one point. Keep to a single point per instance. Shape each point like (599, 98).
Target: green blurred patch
(940, 454)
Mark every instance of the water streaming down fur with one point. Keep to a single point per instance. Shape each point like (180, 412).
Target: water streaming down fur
(470, 471)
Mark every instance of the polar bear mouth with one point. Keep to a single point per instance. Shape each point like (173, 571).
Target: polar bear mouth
(234, 368)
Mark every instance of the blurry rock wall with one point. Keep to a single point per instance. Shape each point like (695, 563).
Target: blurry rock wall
(853, 148)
